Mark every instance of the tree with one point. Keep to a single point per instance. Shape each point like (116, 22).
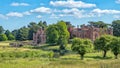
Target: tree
(58, 33)
(69, 24)
(99, 24)
(115, 46)
(22, 34)
(103, 43)
(1, 30)
(45, 23)
(42, 24)
(116, 27)
(81, 46)
(9, 35)
(7, 32)
(3, 37)
(52, 34)
(14, 33)
(63, 36)
(33, 27)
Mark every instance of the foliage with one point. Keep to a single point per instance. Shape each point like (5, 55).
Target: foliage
(63, 36)
(3, 37)
(26, 54)
(1, 30)
(103, 43)
(116, 27)
(82, 46)
(52, 34)
(58, 33)
(43, 24)
(115, 46)
(33, 27)
(14, 32)
(9, 35)
(99, 24)
(22, 34)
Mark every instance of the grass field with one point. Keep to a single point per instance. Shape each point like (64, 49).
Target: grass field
(70, 60)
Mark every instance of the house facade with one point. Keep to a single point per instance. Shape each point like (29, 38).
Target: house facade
(85, 31)
(89, 32)
(39, 37)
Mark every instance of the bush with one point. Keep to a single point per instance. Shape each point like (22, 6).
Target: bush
(26, 54)
(3, 37)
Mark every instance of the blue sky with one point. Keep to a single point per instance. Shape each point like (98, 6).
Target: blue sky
(17, 13)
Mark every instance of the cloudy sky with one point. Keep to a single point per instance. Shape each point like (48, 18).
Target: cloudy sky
(17, 13)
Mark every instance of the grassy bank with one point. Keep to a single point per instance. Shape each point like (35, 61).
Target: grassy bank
(41, 58)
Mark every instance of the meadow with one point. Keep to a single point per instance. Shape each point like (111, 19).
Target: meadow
(46, 56)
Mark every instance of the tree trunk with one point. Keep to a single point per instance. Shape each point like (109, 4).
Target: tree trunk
(82, 56)
(104, 55)
(116, 55)
(62, 50)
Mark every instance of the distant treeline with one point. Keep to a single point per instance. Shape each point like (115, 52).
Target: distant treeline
(26, 32)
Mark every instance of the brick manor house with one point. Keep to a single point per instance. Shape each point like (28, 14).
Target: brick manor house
(85, 31)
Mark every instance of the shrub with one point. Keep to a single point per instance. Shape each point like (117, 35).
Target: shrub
(3, 37)
(27, 54)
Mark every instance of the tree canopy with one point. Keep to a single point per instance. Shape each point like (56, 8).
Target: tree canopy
(52, 34)
(115, 46)
(3, 37)
(116, 27)
(103, 43)
(99, 24)
(22, 34)
(82, 46)
(1, 30)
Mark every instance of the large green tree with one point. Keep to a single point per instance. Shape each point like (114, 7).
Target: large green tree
(58, 33)
(63, 36)
(82, 46)
(115, 46)
(103, 43)
(116, 27)
(52, 34)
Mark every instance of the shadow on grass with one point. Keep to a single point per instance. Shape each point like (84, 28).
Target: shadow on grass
(46, 48)
(98, 57)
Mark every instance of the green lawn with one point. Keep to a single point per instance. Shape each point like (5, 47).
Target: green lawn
(70, 60)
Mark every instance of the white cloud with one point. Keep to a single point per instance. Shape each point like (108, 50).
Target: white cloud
(26, 13)
(41, 10)
(19, 4)
(3, 16)
(106, 11)
(54, 16)
(72, 4)
(117, 1)
(39, 16)
(14, 14)
(73, 12)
